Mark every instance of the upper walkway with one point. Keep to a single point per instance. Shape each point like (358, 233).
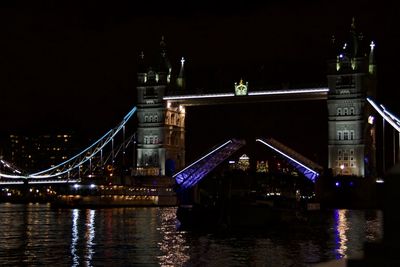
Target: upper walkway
(252, 96)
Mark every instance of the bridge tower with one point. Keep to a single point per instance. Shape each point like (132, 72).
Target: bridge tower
(160, 133)
(351, 78)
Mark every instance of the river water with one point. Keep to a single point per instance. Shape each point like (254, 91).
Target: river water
(37, 235)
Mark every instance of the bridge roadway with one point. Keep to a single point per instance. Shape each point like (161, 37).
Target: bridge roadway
(38, 181)
(252, 96)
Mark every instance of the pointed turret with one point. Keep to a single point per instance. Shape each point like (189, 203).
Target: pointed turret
(142, 69)
(371, 59)
(180, 81)
(353, 42)
(165, 66)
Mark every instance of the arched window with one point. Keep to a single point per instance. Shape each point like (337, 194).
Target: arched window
(173, 119)
(345, 135)
(351, 135)
(339, 112)
(345, 111)
(351, 111)
(339, 135)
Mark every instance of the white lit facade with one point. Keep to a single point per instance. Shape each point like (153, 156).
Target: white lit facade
(351, 139)
(160, 133)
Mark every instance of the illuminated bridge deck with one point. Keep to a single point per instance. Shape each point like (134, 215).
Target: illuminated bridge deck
(252, 96)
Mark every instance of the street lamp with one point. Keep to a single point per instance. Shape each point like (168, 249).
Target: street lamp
(341, 168)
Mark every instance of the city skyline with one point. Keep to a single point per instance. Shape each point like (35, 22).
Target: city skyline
(73, 66)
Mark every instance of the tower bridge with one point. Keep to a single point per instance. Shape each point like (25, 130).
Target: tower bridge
(159, 136)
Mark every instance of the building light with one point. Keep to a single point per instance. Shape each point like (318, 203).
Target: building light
(371, 119)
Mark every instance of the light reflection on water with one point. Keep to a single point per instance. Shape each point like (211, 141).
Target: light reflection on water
(75, 237)
(341, 227)
(39, 235)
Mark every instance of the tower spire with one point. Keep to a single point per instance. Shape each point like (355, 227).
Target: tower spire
(354, 38)
(180, 81)
(165, 65)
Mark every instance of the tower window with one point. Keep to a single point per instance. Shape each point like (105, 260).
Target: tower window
(345, 135)
(351, 135)
(345, 111)
(351, 111)
(339, 135)
(339, 112)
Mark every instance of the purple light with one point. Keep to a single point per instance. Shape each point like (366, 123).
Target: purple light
(337, 184)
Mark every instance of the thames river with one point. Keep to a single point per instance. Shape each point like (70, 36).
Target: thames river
(38, 235)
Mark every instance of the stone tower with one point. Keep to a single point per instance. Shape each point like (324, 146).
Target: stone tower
(160, 133)
(351, 78)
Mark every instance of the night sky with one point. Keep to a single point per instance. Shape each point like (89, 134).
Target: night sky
(72, 64)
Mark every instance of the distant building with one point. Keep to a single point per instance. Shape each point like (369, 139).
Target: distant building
(351, 78)
(160, 132)
(37, 152)
(262, 166)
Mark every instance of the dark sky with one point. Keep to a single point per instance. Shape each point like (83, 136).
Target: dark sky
(72, 64)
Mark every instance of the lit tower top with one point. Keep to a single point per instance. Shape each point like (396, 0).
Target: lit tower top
(351, 51)
(180, 81)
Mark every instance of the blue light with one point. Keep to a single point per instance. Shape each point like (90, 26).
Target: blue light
(337, 184)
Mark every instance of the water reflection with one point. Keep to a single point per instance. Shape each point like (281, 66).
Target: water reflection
(75, 237)
(35, 235)
(173, 244)
(89, 236)
(340, 227)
